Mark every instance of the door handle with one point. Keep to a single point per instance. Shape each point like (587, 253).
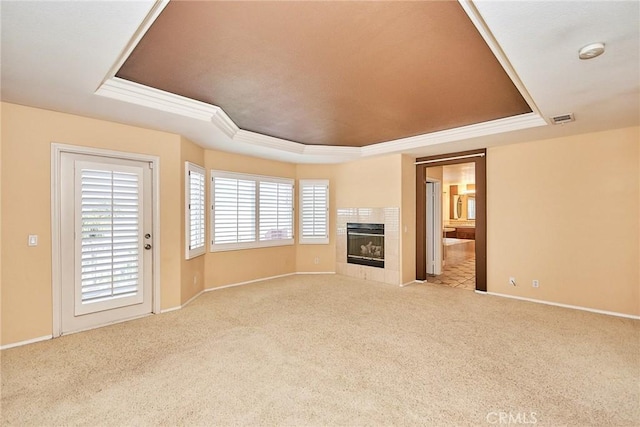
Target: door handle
(147, 246)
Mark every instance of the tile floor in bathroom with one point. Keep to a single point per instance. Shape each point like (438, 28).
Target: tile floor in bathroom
(461, 275)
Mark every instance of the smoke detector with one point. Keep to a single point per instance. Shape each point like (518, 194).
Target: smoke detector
(562, 119)
(590, 51)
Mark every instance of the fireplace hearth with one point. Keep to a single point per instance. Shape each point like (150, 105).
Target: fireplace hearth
(365, 244)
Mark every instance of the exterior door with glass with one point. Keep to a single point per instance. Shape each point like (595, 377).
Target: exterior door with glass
(105, 240)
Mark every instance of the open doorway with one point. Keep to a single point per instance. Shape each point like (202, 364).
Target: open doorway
(451, 220)
(451, 224)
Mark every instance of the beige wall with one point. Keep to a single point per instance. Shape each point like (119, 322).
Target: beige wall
(369, 183)
(435, 172)
(566, 212)
(231, 267)
(192, 270)
(562, 211)
(27, 134)
(387, 181)
(408, 215)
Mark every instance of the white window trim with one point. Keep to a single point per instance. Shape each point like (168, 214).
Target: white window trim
(257, 243)
(188, 252)
(313, 240)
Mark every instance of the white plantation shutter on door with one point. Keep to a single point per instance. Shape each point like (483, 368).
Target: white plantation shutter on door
(195, 215)
(314, 211)
(108, 237)
(276, 214)
(250, 211)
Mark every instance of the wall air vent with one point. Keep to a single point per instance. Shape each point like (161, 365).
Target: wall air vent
(562, 119)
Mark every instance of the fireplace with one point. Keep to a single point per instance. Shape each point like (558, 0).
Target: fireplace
(365, 244)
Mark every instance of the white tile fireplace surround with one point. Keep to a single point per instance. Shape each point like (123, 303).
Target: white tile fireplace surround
(390, 217)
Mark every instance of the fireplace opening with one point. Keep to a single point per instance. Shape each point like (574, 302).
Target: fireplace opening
(365, 244)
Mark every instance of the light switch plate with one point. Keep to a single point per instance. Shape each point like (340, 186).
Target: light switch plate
(33, 240)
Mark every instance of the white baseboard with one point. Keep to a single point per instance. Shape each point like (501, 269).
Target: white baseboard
(248, 282)
(193, 298)
(402, 285)
(557, 304)
(189, 301)
(48, 337)
(315, 272)
(31, 341)
(115, 322)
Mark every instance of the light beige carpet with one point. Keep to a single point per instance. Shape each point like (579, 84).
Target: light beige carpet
(330, 350)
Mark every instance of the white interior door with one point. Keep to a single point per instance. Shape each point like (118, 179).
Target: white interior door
(105, 240)
(434, 228)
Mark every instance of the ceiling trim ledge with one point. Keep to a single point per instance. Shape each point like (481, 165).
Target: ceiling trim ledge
(127, 91)
(270, 142)
(482, 27)
(135, 93)
(155, 11)
(508, 124)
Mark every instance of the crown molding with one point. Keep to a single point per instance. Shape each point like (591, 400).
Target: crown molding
(155, 11)
(224, 123)
(265, 141)
(135, 93)
(340, 152)
(492, 127)
(482, 27)
(283, 145)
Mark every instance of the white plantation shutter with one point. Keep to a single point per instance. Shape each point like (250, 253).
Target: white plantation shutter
(250, 211)
(109, 236)
(195, 214)
(314, 211)
(234, 210)
(276, 211)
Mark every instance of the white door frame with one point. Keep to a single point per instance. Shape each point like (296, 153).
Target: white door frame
(436, 227)
(56, 270)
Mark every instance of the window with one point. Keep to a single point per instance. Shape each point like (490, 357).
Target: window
(194, 210)
(471, 207)
(314, 211)
(250, 211)
(276, 211)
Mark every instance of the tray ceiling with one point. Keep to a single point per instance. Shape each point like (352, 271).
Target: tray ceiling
(64, 56)
(328, 73)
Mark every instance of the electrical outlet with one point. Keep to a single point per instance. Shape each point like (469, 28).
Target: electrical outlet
(316, 260)
(535, 283)
(512, 281)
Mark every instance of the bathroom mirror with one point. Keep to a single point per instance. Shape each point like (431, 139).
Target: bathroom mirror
(463, 207)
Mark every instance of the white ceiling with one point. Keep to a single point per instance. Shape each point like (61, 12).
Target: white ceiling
(56, 55)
